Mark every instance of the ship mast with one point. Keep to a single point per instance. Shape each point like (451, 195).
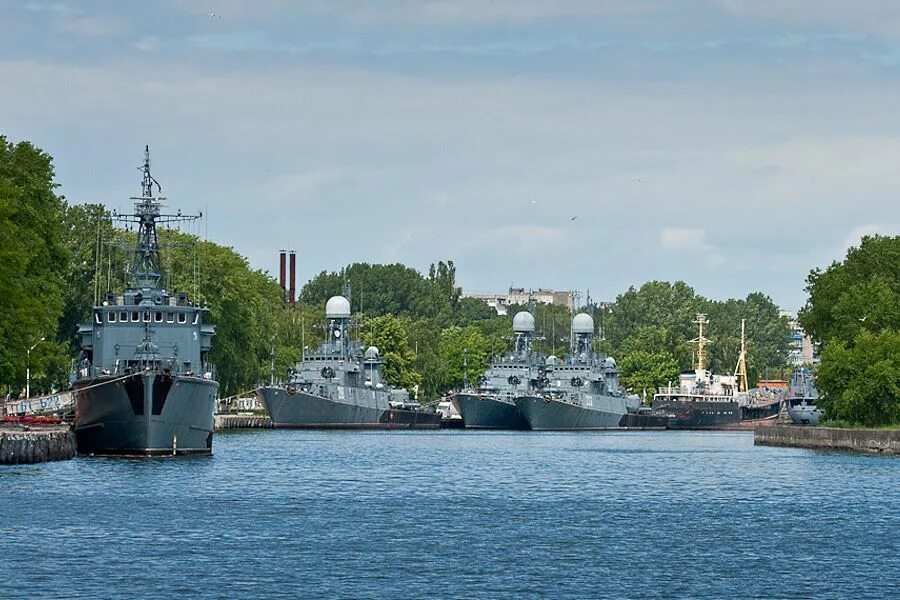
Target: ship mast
(741, 370)
(701, 342)
(146, 272)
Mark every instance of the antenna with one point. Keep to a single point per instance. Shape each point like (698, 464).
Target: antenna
(701, 341)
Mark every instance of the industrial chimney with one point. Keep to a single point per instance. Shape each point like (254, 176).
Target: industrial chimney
(281, 278)
(293, 288)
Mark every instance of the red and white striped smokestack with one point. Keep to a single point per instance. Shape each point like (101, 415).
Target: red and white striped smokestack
(293, 289)
(282, 280)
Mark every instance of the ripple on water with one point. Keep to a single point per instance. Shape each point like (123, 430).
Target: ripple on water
(456, 515)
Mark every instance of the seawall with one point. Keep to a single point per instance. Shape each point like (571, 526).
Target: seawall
(242, 422)
(873, 441)
(22, 445)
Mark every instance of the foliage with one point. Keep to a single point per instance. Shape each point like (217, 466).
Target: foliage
(860, 381)
(659, 317)
(466, 354)
(33, 261)
(645, 372)
(390, 289)
(390, 335)
(862, 293)
(854, 312)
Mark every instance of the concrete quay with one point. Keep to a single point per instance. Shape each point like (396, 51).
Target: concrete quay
(871, 441)
(32, 444)
(242, 422)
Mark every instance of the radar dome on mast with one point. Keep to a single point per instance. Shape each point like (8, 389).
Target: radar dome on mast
(337, 307)
(523, 322)
(582, 323)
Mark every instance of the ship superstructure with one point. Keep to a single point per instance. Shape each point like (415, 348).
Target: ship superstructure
(579, 392)
(144, 385)
(491, 404)
(341, 386)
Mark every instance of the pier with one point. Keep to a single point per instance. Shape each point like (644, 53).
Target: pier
(242, 422)
(872, 441)
(21, 444)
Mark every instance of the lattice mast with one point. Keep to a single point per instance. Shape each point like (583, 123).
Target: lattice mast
(740, 371)
(701, 341)
(146, 267)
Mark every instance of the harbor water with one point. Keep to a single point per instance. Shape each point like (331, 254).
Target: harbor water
(441, 514)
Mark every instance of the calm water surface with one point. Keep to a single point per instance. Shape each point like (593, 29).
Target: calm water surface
(299, 514)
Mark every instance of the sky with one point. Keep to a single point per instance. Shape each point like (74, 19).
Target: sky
(582, 144)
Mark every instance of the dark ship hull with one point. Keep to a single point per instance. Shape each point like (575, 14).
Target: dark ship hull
(302, 410)
(699, 414)
(148, 414)
(545, 414)
(488, 412)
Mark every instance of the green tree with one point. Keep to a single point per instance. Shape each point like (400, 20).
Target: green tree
(466, 355)
(860, 293)
(860, 381)
(33, 261)
(389, 334)
(644, 372)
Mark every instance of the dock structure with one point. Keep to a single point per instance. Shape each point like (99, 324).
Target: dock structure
(23, 444)
(243, 422)
(872, 441)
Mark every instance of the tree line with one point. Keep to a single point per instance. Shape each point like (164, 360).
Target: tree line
(853, 312)
(57, 259)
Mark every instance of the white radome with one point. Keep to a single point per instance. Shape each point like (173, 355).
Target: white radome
(582, 323)
(337, 307)
(372, 352)
(523, 321)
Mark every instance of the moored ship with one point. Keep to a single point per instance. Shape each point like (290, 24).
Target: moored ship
(491, 405)
(144, 385)
(340, 386)
(704, 400)
(802, 397)
(580, 392)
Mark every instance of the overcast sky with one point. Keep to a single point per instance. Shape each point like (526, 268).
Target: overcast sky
(575, 145)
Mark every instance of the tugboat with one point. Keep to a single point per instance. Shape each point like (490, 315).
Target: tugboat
(578, 393)
(340, 386)
(491, 405)
(144, 385)
(802, 396)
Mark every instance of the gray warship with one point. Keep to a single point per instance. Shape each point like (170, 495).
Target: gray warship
(340, 386)
(143, 384)
(491, 405)
(801, 399)
(580, 392)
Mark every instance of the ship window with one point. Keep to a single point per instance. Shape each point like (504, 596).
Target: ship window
(196, 318)
(170, 317)
(111, 317)
(157, 317)
(146, 316)
(123, 317)
(135, 317)
(182, 318)
(97, 318)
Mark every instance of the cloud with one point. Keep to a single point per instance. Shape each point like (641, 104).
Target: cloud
(691, 240)
(147, 44)
(94, 26)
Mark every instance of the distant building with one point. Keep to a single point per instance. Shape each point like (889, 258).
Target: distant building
(500, 301)
(801, 349)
